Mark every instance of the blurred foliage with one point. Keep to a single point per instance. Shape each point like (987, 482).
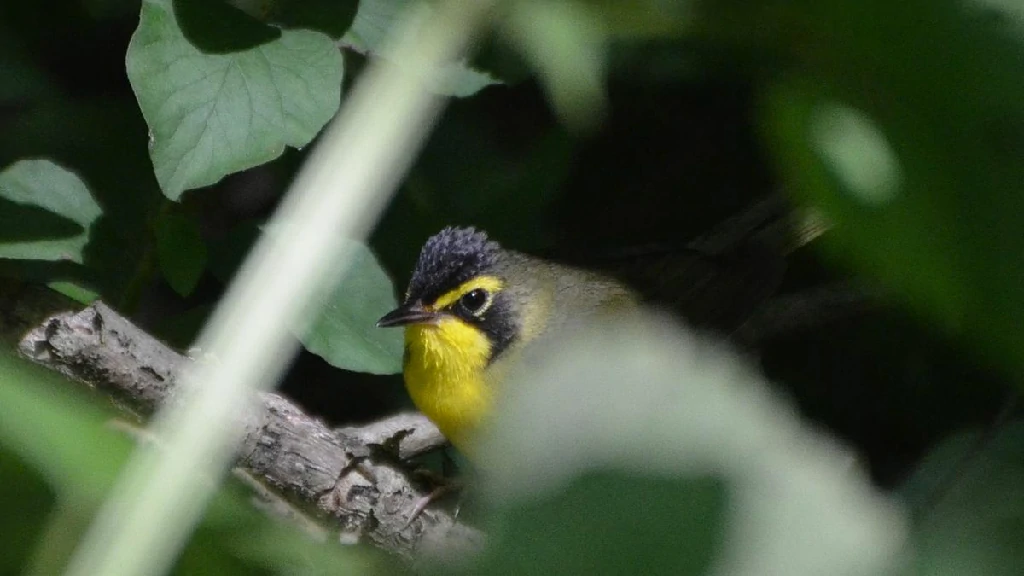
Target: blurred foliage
(675, 477)
(143, 143)
(59, 453)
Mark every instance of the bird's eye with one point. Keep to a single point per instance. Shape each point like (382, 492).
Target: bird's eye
(474, 300)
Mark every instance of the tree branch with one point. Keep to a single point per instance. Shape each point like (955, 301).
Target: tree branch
(352, 475)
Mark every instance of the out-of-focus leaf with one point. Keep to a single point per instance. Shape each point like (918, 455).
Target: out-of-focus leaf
(60, 435)
(970, 513)
(45, 185)
(180, 250)
(213, 114)
(914, 158)
(61, 438)
(344, 331)
(565, 42)
(639, 19)
(638, 410)
(369, 35)
(25, 504)
(617, 512)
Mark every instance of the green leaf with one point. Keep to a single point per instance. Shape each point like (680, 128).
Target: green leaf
(210, 115)
(44, 185)
(369, 35)
(712, 469)
(180, 250)
(969, 501)
(344, 331)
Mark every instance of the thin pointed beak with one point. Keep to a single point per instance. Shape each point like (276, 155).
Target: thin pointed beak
(407, 314)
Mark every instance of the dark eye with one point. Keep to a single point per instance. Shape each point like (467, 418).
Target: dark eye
(474, 300)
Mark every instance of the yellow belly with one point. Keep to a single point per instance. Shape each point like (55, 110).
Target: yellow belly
(444, 373)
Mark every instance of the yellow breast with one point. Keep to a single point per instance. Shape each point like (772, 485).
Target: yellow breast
(444, 373)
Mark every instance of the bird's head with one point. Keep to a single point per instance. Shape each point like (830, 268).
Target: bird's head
(461, 283)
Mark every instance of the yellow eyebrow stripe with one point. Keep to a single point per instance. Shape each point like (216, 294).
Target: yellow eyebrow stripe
(492, 284)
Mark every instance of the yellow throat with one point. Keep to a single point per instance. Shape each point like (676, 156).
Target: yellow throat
(445, 366)
(444, 373)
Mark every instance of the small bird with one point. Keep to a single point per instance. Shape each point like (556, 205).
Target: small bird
(472, 306)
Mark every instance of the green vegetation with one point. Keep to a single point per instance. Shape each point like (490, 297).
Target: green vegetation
(144, 146)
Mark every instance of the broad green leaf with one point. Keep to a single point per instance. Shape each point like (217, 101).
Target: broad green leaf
(180, 250)
(710, 467)
(210, 115)
(969, 501)
(369, 35)
(45, 186)
(344, 331)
